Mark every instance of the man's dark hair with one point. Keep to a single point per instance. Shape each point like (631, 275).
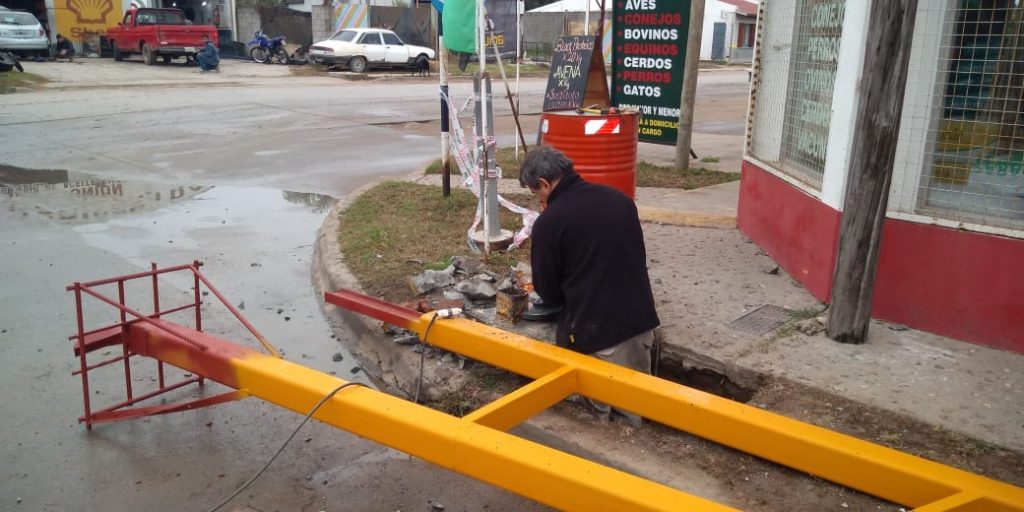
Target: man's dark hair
(59, 37)
(543, 162)
(206, 36)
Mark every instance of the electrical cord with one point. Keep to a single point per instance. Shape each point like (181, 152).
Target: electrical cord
(286, 441)
(423, 342)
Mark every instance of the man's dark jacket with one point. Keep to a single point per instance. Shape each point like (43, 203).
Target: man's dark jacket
(588, 255)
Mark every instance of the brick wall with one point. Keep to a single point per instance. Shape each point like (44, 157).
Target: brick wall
(248, 23)
(322, 26)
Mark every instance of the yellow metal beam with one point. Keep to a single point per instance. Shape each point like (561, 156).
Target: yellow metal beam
(955, 502)
(526, 468)
(876, 470)
(522, 404)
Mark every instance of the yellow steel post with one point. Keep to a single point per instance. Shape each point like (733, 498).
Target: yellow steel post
(871, 468)
(464, 445)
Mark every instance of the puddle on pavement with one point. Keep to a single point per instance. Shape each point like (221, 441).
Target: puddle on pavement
(256, 244)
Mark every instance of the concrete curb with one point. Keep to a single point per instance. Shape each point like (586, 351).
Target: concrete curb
(685, 219)
(391, 367)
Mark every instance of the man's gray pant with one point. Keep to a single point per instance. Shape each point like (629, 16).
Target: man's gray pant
(633, 353)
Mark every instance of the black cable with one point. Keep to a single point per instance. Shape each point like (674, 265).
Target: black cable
(286, 441)
(419, 380)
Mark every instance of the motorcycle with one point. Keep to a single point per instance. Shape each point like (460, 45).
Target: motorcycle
(268, 50)
(9, 61)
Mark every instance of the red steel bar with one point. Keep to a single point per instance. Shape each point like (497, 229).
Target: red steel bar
(129, 322)
(142, 398)
(89, 341)
(156, 313)
(391, 313)
(124, 345)
(198, 304)
(102, 364)
(130, 277)
(238, 314)
(81, 356)
(149, 319)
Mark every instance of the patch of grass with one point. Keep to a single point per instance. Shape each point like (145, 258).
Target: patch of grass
(525, 70)
(710, 159)
(647, 175)
(790, 327)
(13, 81)
(308, 70)
(387, 231)
(488, 383)
(650, 175)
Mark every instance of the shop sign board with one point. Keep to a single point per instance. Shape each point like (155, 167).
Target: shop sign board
(648, 56)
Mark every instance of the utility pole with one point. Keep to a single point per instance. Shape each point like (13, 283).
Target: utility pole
(690, 68)
(890, 28)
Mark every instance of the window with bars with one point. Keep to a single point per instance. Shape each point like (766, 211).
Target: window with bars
(817, 32)
(974, 162)
(795, 71)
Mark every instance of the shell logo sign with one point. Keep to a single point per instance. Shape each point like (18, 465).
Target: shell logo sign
(86, 20)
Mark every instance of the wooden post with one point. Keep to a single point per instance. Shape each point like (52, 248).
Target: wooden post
(691, 66)
(890, 31)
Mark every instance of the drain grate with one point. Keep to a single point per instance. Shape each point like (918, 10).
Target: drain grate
(762, 320)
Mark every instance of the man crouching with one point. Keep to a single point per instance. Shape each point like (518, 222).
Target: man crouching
(588, 256)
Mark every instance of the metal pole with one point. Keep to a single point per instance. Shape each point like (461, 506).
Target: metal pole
(442, 71)
(690, 69)
(519, 56)
(586, 20)
(489, 183)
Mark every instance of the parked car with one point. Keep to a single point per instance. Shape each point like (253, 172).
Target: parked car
(361, 48)
(164, 33)
(21, 33)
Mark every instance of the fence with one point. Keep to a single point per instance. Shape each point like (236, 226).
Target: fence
(537, 52)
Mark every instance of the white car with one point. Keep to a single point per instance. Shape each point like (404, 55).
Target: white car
(20, 32)
(360, 48)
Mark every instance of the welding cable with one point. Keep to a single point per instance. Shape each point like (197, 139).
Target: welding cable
(419, 380)
(286, 441)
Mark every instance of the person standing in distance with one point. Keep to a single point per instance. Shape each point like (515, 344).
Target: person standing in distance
(588, 256)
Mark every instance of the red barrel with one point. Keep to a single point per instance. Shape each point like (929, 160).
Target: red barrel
(602, 147)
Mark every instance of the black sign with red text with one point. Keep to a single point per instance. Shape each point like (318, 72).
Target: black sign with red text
(648, 53)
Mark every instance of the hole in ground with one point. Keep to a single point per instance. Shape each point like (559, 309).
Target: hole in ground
(705, 377)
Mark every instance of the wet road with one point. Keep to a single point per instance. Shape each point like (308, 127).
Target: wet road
(239, 177)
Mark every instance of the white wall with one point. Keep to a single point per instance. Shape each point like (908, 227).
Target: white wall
(845, 96)
(716, 12)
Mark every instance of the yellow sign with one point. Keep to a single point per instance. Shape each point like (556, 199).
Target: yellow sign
(80, 20)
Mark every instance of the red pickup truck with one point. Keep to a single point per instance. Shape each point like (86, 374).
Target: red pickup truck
(163, 33)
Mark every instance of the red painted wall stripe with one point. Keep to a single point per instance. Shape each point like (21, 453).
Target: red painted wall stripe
(960, 284)
(799, 232)
(955, 283)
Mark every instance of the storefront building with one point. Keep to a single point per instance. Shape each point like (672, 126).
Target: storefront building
(85, 22)
(953, 239)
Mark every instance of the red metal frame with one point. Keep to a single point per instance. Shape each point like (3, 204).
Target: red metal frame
(115, 334)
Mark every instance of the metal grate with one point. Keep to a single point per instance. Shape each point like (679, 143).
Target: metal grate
(762, 320)
(962, 131)
(797, 57)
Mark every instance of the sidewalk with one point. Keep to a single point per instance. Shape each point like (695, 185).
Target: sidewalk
(705, 279)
